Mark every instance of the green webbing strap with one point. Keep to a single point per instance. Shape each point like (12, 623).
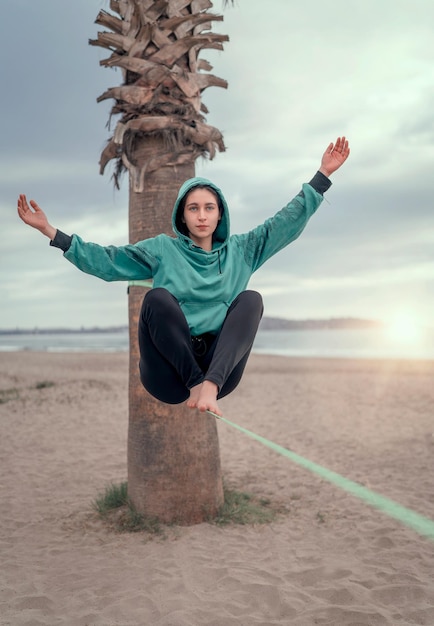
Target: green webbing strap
(423, 525)
(140, 283)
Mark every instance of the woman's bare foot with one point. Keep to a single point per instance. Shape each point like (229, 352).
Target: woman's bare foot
(194, 396)
(208, 398)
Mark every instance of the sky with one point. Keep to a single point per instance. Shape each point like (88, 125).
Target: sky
(300, 74)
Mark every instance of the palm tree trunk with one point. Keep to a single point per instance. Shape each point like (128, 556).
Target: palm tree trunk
(173, 454)
(174, 469)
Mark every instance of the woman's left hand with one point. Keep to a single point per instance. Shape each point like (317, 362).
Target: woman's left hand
(335, 156)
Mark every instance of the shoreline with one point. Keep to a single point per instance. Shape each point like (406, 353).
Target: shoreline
(258, 354)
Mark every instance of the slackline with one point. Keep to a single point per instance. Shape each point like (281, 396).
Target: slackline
(421, 524)
(140, 283)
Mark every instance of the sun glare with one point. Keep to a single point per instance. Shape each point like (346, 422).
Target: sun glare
(404, 328)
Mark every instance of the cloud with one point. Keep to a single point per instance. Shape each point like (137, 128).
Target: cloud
(299, 75)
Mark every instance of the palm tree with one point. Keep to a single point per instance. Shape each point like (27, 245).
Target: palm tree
(173, 453)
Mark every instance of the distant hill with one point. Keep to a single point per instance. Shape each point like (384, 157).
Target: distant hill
(337, 323)
(63, 331)
(267, 323)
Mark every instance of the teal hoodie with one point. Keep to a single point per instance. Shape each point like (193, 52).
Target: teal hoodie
(204, 282)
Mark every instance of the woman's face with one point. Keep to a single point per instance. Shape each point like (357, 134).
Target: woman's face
(201, 216)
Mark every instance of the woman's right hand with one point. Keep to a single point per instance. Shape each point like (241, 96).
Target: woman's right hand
(35, 218)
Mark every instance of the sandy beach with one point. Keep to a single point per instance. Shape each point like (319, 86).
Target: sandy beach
(330, 559)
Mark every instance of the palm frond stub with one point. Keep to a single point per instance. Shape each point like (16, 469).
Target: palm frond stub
(156, 44)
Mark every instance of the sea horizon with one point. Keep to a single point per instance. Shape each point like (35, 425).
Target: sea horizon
(365, 342)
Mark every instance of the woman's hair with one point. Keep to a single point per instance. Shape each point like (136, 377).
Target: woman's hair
(180, 225)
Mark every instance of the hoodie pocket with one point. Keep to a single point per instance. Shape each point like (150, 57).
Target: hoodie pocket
(206, 316)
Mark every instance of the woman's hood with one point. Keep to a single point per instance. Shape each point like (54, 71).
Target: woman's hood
(222, 231)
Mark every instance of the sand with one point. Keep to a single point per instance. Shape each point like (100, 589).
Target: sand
(331, 559)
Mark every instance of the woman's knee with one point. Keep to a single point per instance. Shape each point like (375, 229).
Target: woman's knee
(254, 299)
(251, 301)
(158, 297)
(158, 304)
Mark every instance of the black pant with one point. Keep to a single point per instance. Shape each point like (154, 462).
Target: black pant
(172, 362)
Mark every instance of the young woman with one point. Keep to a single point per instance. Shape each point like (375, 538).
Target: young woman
(198, 323)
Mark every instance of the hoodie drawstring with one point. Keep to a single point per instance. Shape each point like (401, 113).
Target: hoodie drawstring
(220, 266)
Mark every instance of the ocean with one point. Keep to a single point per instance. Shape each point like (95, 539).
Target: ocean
(345, 343)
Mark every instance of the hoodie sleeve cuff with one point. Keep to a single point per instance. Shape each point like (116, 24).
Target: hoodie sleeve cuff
(61, 241)
(320, 183)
